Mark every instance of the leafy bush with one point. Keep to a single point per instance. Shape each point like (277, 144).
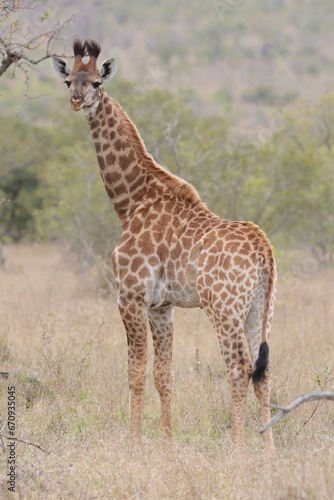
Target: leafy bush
(23, 155)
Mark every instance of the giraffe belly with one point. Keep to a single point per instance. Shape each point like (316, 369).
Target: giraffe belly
(186, 298)
(177, 292)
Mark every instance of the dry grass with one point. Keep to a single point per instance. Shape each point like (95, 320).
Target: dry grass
(56, 328)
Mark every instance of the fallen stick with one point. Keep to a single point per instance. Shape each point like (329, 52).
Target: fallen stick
(303, 398)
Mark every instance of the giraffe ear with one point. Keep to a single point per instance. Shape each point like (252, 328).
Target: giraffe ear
(108, 69)
(61, 67)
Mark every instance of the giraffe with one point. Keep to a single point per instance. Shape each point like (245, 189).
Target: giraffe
(173, 251)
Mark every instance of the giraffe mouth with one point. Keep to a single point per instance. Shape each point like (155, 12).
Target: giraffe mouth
(75, 105)
(76, 102)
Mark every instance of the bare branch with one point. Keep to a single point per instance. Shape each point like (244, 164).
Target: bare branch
(10, 6)
(33, 46)
(174, 139)
(303, 398)
(14, 49)
(171, 127)
(204, 156)
(25, 44)
(7, 61)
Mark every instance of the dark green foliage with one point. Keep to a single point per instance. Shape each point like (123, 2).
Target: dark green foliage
(23, 152)
(266, 95)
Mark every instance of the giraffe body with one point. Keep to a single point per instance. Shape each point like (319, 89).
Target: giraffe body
(174, 251)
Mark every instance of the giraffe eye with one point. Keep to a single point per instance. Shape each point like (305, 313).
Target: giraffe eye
(96, 84)
(67, 83)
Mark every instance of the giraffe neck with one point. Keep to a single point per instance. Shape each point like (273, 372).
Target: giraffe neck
(130, 175)
(120, 166)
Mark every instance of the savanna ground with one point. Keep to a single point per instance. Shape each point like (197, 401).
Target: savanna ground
(64, 347)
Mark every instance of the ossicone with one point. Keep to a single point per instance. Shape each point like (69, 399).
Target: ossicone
(93, 48)
(79, 48)
(88, 47)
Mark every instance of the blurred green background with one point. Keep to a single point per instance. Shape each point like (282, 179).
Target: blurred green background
(235, 97)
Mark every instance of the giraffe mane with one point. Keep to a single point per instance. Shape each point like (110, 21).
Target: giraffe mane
(180, 187)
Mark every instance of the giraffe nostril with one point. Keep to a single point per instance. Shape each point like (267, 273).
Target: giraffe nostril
(77, 98)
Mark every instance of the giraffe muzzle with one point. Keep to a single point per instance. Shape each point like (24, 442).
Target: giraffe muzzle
(76, 102)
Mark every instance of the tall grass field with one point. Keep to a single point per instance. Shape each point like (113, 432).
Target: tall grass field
(64, 347)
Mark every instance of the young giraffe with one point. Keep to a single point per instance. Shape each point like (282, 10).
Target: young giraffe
(174, 251)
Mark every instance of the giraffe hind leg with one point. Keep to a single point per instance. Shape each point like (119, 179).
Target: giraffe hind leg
(262, 391)
(261, 373)
(238, 366)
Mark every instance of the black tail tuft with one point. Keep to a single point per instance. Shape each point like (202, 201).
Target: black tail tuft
(261, 363)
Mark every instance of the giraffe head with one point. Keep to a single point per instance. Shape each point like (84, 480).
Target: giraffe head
(84, 79)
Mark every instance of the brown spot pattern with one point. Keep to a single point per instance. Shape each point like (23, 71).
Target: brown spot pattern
(175, 252)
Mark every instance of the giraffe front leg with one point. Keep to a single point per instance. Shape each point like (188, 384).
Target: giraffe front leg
(134, 316)
(161, 323)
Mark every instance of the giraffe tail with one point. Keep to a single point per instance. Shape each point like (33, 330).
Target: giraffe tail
(262, 361)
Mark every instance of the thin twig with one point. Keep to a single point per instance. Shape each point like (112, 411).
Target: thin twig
(89, 350)
(307, 420)
(25, 442)
(35, 301)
